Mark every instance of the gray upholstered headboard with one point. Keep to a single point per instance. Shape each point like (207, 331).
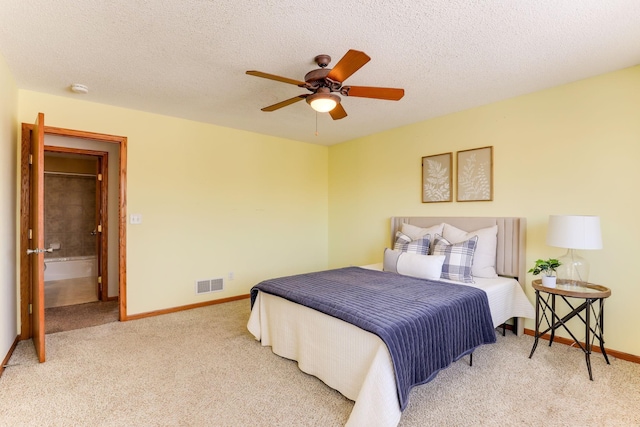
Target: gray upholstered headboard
(510, 256)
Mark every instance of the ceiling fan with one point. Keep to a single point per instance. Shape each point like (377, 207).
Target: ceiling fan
(324, 83)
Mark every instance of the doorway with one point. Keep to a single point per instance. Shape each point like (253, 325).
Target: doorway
(32, 291)
(76, 280)
(73, 226)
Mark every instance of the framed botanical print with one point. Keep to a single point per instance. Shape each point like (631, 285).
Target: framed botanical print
(475, 175)
(437, 178)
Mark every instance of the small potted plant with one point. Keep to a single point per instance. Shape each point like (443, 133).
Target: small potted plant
(548, 267)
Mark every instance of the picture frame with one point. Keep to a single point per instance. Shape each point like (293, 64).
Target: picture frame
(437, 178)
(475, 175)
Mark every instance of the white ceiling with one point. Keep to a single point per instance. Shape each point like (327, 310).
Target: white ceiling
(187, 58)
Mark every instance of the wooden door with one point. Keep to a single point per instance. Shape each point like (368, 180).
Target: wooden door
(36, 241)
(27, 318)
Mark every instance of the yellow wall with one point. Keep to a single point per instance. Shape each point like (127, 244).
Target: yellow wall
(214, 200)
(574, 149)
(8, 218)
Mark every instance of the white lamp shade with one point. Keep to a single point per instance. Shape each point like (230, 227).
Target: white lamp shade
(323, 105)
(574, 232)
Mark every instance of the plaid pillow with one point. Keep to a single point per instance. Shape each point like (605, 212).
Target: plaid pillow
(405, 244)
(458, 258)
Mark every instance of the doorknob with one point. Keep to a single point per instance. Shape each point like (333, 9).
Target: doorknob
(38, 251)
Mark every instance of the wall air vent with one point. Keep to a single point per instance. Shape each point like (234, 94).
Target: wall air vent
(209, 285)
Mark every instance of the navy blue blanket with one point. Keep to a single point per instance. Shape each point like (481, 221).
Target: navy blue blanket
(426, 324)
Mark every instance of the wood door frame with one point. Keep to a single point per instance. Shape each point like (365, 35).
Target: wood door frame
(102, 215)
(25, 193)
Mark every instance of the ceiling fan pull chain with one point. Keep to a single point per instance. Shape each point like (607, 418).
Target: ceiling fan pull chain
(316, 123)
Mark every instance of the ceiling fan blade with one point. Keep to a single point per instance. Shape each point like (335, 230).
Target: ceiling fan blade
(276, 78)
(388, 93)
(289, 101)
(351, 62)
(338, 112)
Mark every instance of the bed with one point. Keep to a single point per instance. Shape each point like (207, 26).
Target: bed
(358, 363)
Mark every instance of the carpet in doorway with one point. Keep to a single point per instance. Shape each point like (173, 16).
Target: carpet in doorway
(67, 318)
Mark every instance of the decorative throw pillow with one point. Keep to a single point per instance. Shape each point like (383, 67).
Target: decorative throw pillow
(414, 265)
(404, 243)
(417, 232)
(484, 259)
(390, 261)
(458, 258)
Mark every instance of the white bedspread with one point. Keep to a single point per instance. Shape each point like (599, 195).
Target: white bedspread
(353, 361)
(506, 299)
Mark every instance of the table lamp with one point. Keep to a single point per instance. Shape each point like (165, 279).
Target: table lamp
(574, 232)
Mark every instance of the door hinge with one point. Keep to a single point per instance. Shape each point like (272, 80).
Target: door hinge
(30, 159)
(99, 228)
(100, 279)
(99, 177)
(30, 308)
(30, 234)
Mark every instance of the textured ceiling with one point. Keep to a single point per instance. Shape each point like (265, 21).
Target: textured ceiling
(187, 58)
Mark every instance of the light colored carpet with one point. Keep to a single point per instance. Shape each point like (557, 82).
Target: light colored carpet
(202, 368)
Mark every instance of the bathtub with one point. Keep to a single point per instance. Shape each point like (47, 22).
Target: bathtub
(70, 268)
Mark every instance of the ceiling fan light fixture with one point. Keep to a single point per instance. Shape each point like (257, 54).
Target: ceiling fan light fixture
(323, 102)
(325, 83)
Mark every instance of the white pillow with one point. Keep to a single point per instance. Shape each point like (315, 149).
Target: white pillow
(417, 232)
(414, 265)
(484, 258)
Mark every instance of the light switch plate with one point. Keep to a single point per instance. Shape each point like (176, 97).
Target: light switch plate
(135, 219)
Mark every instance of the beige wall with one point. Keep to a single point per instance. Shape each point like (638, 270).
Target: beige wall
(213, 200)
(574, 149)
(8, 221)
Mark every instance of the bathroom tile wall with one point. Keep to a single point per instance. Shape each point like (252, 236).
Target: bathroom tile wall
(69, 215)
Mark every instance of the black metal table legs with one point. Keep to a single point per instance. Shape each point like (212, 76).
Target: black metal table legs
(546, 309)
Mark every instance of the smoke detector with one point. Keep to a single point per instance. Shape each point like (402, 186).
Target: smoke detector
(79, 88)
